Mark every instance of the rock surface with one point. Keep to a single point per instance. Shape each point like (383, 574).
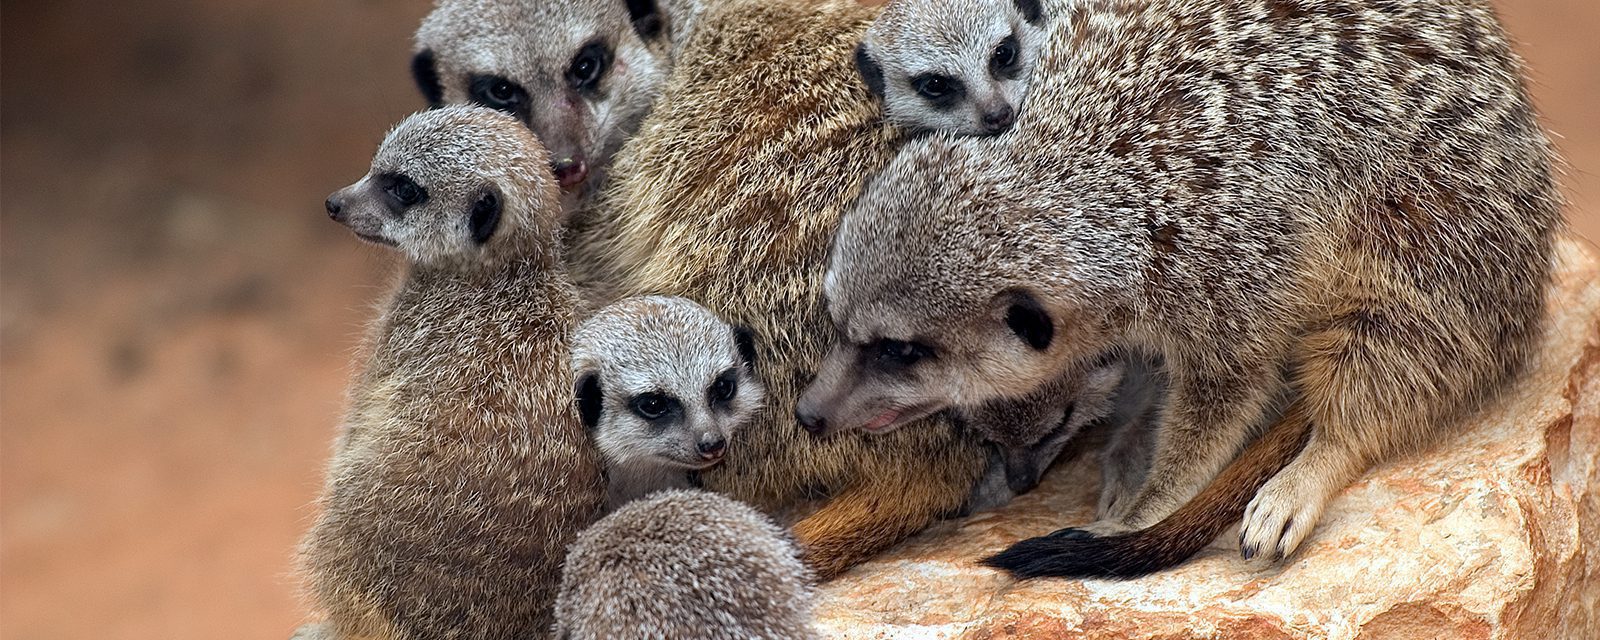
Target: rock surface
(1490, 534)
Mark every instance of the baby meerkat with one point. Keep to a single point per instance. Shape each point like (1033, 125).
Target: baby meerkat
(663, 384)
(1287, 201)
(581, 73)
(960, 66)
(685, 564)
(1030, 433)
(462, 472)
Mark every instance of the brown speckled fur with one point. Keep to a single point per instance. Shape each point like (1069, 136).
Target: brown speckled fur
(1351, 199)
(729, 196)
(463, 471)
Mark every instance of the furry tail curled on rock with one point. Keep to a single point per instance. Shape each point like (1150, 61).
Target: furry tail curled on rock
(1072, 553)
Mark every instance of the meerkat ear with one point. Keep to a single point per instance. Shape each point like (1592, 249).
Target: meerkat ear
(589, 400)
(485, 217)
(646, 18)
(1029, 321)
(1030, 11)
(745, 340)
(871, 73)
(425, 70)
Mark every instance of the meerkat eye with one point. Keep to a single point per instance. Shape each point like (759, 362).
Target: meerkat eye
(588, 66)
(899, 353)
(652, 406)
(940, 90)
(405, 191)
(724, 388)
(499, 93)
(1005, 56)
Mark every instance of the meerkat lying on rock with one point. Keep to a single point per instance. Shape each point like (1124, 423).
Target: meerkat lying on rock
(663, 385)
(1350, 205)
(685, 564)
(463, 471)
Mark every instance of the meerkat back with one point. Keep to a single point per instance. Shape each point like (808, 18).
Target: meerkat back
(684, 564)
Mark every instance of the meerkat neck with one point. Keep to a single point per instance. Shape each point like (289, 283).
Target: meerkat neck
(629, 482)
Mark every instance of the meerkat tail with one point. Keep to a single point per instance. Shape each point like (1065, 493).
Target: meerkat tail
(1071, 553)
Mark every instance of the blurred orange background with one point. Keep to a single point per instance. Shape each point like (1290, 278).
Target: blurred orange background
(177, 314)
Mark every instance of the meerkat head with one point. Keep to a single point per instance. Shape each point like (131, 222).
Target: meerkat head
(960, 66)
(944, 291)
(581, 73)
(684, 564)
(663, 381)
(455, 187)
(1031, 431)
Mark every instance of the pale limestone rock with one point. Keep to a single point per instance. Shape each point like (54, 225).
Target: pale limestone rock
(1491, 534)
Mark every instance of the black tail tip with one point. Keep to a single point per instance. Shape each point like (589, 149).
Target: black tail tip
(1074, 553)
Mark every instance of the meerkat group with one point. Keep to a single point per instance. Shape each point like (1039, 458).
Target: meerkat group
(1268, 243)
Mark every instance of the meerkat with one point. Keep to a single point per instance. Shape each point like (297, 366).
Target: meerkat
(773, 101)
(685, 564)
(581, 73)
(1029, 434)
(1350, 205)
(960, 66)
(663, 385)
(463, 470)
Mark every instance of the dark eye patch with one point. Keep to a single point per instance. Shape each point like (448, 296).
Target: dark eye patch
(1006, 61)
(589, 66)
(723, 389)
(653, 406)
(898, 354)
(501, 94)
(939, 90)
(402, 191)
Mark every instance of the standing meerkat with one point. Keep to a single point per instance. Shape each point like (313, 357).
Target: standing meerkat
(581, 73)
(960, 66)
(685, 564)
(663, 385)
(1349, 203)
(463, 471)
(729, 196)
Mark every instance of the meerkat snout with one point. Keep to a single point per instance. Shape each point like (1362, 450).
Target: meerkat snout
(960, 66)
(663, 385)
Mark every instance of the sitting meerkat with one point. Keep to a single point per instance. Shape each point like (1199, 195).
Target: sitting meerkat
(685, 564)
(581, 73)
(463, 471)
(960, 66)
(1335, 218)
(663, 385)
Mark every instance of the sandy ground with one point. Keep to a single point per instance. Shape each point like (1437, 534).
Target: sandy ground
(176, 313)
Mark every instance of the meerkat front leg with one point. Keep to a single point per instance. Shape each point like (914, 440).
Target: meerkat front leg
(1208, 417)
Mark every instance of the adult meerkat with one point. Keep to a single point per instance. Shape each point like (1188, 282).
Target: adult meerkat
(729, 196)
(684, 564)
(960, 66)
(663, 385)
(1351, 203)
(581, 73)
(463, 471)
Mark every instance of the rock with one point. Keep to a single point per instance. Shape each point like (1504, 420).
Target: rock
(1491, 534)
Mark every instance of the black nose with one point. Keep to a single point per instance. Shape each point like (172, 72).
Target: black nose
(815, 424)
(711, 448)
(335, 208)
(999, 120)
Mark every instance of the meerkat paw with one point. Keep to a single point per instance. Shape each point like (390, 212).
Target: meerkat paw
(1116, 497)
(1281, 516)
